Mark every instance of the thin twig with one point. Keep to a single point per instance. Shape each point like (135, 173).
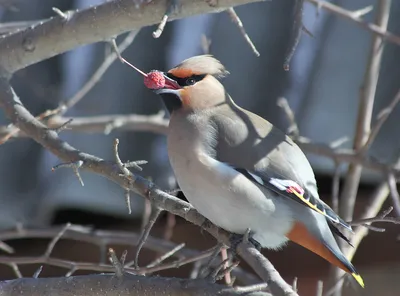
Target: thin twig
(216, 251)
(119, 267)
(320, 288)
(354, 17)
(169, 226)
(38, 272)
(394, 194)
(213, 275)
(75, 166)
(297, 30)
(101, 238)
(145, 233)
(253, 288)
(293, 127)
(16, 270)
(6, 248)
(380, 120)
(227, 269)
(118, 53)
(336, 187)
(173, 6)
(379, 218)
(363, 127)
(93, 80)
(165, 256)
(55, 240)
(235, 18)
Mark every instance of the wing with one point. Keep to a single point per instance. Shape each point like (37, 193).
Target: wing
(265, 155)
(294, 191)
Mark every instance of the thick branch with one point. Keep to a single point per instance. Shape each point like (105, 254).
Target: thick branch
(98, 23)
(112, 285)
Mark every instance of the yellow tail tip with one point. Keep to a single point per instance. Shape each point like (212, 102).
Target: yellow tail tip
(359, 279)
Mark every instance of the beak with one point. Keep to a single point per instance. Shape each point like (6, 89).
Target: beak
(171, 86)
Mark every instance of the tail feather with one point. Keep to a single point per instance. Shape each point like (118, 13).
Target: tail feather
(300, 235)
(348, 267)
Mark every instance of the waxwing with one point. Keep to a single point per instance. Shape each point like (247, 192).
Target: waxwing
(241, 172)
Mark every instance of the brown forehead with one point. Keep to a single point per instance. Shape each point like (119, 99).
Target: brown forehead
(183, 72)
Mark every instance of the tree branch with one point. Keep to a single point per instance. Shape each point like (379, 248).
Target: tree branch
(49, 139)
(58, 35)
(128, 284)
(355, 18)
(102, 238)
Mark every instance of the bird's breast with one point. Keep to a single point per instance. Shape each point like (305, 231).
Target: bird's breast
(220, 193)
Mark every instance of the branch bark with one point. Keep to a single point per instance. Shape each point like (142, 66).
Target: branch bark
(128, 284)
(58, 35)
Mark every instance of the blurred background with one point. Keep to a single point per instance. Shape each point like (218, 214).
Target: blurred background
(322, 88)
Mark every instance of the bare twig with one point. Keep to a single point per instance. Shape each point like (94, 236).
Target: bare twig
(394, 194)
(157, 124)
(380, 120)
(80, 94)
(95, 78)
(215, 251)
(205, 44)
(101, 238)
(355, 17)
(379, 218)
(320, 288)
(227, 269)
(60, 13)
(75, 166)
(119, 268)
(127, 173)
(55, 240)
(198, 258)
(165, 256)
(16, 270)
(253, 288)
(336, 187)
(367, 95)
(38, 272)
(173, 6)
(6, 248)
(145, 234)
(296, 32)
(235, 18)
(293, 127)
(92, 25)
(363, 128)
(294, 284)
(169, 226)
(212, 276)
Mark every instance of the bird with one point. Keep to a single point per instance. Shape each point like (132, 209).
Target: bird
(241, 172)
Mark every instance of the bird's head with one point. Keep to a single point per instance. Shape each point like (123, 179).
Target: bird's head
(193, 84)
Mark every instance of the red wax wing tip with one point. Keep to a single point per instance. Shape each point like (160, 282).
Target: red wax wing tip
(154, 80)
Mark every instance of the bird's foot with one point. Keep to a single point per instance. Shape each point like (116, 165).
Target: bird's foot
(235, 239)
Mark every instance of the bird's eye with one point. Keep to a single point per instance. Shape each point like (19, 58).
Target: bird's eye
(190, 81)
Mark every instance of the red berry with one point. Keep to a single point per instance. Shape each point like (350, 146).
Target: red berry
(154, 80)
